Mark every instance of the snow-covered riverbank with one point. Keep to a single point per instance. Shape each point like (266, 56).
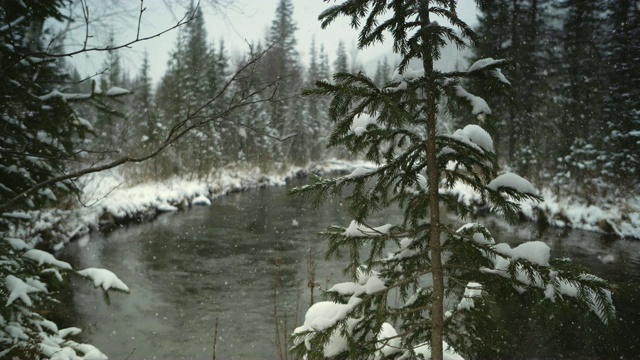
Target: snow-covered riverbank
(620, 218)
(108, 201)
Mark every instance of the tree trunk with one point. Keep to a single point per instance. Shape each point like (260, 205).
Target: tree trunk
(433, 176)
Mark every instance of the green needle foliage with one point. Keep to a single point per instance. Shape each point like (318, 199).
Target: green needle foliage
(424, 287)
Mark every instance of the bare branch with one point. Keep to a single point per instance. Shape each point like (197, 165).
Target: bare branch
(194, 120)
(188, 17)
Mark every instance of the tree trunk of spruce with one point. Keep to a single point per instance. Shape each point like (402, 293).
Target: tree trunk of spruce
(433, 175)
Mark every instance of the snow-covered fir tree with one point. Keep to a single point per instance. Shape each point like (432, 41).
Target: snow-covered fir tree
(40, 134)
(425, 286)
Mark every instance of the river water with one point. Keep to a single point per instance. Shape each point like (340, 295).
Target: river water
(188, 271)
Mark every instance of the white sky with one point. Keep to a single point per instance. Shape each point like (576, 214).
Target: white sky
(244, 21)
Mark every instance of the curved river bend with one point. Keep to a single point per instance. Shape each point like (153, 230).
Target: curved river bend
(188, 270)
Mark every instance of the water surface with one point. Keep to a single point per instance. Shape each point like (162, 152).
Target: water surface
(189, 270)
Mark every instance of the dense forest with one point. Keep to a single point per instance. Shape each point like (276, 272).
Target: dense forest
(570, 119)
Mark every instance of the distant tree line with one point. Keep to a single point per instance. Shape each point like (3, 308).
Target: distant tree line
(285, 130)
(572, 119)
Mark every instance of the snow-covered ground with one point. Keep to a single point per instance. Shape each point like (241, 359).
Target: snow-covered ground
(621, 217)
(107, 200)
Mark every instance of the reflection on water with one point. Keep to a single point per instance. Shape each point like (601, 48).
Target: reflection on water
(188, 269)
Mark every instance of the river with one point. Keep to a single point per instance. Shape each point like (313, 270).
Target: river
(191, 270)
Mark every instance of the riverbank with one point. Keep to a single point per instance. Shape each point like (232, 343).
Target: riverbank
(107, 201)
(617, 218)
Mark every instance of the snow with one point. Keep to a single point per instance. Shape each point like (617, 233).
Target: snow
(17, 244)
(18, 289)
(117, 91)
(357, 230)
(479, 106)
(484, 63)
(164, 207)
(473, 289)
(425, 351)
(535, 252)
(623, 214)
(513, 181)
(201, 200)
(104, 278)
(500, 76)
(387, 336)
(368, 285)
(360, 123)
(66, 96)
(474, 136)
(43, 257)
(323, 315)
(360, 171)
(70, 331)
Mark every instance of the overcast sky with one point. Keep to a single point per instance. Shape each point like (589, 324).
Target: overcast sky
(241, 22)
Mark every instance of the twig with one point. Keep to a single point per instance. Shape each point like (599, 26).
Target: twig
(131, 353)
(215, 339)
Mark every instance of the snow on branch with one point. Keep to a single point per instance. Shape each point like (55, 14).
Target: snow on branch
(357, 230)
(513, 181)
(104, 278)
(482, 64)
(361, 122)
(43, 257)
(18, 289)
(479, 106)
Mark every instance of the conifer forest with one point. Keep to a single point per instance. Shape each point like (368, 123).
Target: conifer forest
(318, 179)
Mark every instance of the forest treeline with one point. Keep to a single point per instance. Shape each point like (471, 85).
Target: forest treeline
(281, 128)
(569, 118)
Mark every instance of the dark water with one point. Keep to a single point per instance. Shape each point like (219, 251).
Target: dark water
(221, 263)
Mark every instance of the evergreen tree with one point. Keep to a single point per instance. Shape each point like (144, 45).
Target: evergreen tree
(341, 64)
(281, 64)
(109, 112)
(582, 91)
(520, 32)
(224, 141)
(312, 113)
(146, 133)
(438, 285)
(324, 68)
(143, 113)
(383, 73)
(622, 144)
(183, 92)
(39, 136)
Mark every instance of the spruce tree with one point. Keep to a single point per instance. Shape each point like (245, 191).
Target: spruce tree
(622, 144)
(281, 64)
(583, 94)
(520, 31)
(341, 63)
(424, 286)
(39, 136)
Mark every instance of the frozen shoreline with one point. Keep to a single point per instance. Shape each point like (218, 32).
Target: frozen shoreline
(107, 203)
